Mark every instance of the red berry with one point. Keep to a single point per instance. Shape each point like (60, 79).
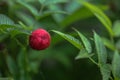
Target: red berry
(39, 39)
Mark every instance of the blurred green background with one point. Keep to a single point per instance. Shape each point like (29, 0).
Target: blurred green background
(19, 61)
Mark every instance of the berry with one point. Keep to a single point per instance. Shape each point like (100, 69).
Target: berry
(39, 39)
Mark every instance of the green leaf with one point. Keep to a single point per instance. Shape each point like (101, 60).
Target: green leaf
(26, 18)
(41, 1)
(19, 31)
(116, 28)
(11, 65)
(85, 41)
(22, 60)
(48, 13)
(101, 16)
(13, 30)
(7, 29)
(8, 26)
(56, 8)
(5, 20)
(25, 27)
(102, 57)
(83, 54)
(105, 71)
(23, 42)
(51, 2)
(79, 14)
(101, 50)
(31, 8)
(72, 6)
(108, 44)
(118, 44)
(116, 65)
(51, 24)
(71, 39)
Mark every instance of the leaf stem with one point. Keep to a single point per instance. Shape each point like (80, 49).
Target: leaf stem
(41, 9)
(93, 61)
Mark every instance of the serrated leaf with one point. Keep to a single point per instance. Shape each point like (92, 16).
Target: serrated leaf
(85, 41)
(105, 71)
(102, 57)
(7, 27)
(101, 16)
(71, 39)
(116, 65)
(116, 28)
(101, 50)
(5, 20)
(13, 30)
(31, 8)
(83, 54)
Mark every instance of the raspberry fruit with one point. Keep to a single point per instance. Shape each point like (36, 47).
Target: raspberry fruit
(39, 39)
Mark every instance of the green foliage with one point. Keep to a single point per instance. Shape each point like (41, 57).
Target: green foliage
(18, 18)
(116, 28)
(5, 20)
(102, 57)
(116, 65)
(31, 8)
(105, 71)
(71, 39)
(108, 44)
(11, 65)
(101, 50)
(8, 26)
(101, 16)
(79, 14)
(83, 54)
(51, 2)
(85, 41)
